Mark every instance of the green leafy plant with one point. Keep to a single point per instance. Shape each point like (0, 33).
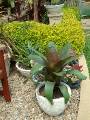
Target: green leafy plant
(72, 11)
(69, 30)
(54, 67)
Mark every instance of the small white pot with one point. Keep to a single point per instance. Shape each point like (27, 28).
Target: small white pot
(54, 9)
(58, 105)
(24, 72)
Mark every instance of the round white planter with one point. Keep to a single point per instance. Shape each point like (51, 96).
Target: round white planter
(24, 72)
(58, 105)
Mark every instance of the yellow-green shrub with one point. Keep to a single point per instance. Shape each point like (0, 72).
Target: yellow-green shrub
(69, 30)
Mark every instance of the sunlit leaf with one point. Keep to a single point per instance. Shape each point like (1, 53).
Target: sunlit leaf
(49, 87)
(37, 59)
(77, 73)
(60, 73)
(65, 52)
(36, 68)
(67, 60)
(64, 92)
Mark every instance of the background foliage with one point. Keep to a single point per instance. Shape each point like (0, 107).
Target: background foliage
(69, 30)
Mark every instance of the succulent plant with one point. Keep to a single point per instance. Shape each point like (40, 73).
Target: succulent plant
(55, 68)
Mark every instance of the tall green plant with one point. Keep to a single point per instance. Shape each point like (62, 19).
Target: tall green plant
(54, 67)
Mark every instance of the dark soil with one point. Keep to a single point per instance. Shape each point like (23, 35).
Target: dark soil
(24, 66)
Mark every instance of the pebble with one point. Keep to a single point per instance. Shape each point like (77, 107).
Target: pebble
(24, 106)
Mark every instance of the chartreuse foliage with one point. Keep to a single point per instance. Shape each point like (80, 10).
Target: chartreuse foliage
(69, 30)
(72, 11)
(54, 67)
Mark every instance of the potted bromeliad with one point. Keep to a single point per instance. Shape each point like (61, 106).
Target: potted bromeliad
(53, 95)
(54, 6)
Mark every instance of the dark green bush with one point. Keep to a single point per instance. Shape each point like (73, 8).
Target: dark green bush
(69, 30)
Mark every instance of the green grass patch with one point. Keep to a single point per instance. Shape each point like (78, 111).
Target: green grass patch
(87, 48)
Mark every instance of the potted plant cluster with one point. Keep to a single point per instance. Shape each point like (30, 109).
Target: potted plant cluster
(53, 95)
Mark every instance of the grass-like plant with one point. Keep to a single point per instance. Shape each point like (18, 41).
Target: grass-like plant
(55, 68)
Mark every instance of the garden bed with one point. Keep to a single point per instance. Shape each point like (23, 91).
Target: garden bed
(24, 105)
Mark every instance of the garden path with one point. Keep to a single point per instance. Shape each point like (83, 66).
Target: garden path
(86, 23)
(84, 106)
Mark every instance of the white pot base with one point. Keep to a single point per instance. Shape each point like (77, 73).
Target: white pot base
(24, 72)
(54, 109)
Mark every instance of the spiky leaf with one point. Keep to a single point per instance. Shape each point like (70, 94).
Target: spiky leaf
(64, 92)
(36, 68)
(49, 87)
(35, 52)
(37, 59)
(77, 73)
(52, 54)
(60, 73)
(68, 60)
(65, 51)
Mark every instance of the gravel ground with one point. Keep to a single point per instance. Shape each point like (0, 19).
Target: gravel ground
(24, 106)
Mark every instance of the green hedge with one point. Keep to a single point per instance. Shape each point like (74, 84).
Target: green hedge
(69, 30)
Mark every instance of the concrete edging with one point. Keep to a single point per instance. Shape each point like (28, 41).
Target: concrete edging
(84, 105)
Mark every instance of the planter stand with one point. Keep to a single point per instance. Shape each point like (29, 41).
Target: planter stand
(55, 18)
(7, 58)
(54, 13)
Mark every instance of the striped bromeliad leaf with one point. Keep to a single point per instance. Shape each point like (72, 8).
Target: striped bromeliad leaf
(36, 68)
(64, 92)
(49, 87)
(77, 73)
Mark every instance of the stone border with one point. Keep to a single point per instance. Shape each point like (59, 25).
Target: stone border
(84, 105)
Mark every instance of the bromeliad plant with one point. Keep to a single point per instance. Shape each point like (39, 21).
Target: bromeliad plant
(55, 68)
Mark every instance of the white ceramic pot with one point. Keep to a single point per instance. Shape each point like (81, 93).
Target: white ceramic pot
(58, 105)
(54, 9)
(23, 71)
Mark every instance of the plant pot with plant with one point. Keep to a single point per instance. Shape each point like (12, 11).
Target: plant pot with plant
(24, 64)
(53, 95)
(23, 69)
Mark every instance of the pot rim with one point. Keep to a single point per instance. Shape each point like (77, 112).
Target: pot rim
(21, 69)
(41, 84)
(54, 5)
